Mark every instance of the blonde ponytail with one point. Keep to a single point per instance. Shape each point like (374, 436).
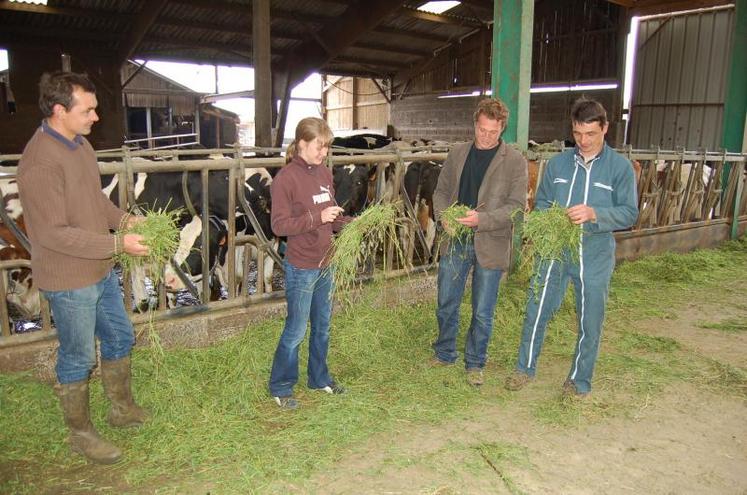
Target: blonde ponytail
(290, 152)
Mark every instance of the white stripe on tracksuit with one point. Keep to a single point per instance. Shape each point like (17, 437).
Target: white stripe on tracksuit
(581, 273)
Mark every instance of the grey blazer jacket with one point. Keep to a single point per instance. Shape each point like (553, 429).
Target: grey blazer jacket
(503, 190)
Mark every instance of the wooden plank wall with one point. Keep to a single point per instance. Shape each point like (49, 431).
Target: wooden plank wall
(350, 103)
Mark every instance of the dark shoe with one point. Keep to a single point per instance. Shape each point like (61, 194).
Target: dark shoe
(333, 388)
(83, 437)
(286, 402)
(569, 390)
(517, 380)
(475, 377)
(117, 379)
(437, 363)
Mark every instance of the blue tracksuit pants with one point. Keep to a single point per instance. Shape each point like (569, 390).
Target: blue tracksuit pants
(591, 278)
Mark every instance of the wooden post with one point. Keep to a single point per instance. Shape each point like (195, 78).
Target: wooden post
(354, 107)
(262, 73)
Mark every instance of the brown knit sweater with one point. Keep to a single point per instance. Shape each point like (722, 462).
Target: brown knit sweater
(67, 216)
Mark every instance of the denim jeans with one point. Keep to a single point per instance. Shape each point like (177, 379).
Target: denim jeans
(307, 292)
(453, 269)
(83, 315)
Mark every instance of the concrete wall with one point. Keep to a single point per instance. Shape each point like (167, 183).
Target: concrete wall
(427, 116)
(549, 115)
(27, 64)
(450, 119)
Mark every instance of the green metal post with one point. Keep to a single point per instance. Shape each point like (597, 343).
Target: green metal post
(735, 104)
(511, 64)
(511, 76)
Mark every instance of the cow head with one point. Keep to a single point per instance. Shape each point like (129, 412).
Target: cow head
(257, 188)
(351, 187)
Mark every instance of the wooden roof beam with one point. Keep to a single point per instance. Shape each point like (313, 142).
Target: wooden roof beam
(343, 32)
(411, 34)
(61, 33)
(392, 49)
(387, 64)
(231, 29)
(246, 10)
(139, 28)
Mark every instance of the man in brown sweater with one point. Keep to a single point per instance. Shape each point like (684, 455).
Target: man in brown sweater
(69, 221)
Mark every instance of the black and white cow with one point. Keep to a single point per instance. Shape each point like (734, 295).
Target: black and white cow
(257, 182)
(420, 181)
(351, 187)
(23, 296)
(190, 252)
(353, 182)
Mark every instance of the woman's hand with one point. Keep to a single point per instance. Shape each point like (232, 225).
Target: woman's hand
(330, 213)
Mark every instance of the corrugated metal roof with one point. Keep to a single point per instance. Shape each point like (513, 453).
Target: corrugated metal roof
(219, 31)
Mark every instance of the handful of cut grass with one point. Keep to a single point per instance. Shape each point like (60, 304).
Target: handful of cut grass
(358, 241)
(160, 233)
(548, 235)
(456, 231)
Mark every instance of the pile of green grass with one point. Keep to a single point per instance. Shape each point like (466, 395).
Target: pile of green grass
(214, 427)
(160, 233)
(360, 241)
(548, 235)
(455, 230)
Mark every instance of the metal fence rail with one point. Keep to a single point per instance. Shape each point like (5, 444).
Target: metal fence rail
(677, 190)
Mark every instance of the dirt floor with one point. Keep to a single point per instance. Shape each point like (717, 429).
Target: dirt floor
(684, 439)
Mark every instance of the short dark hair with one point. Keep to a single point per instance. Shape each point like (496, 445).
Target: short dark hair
(586, 111)
(57, 88)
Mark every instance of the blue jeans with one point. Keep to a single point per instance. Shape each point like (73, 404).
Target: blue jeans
(307, 292)
(452, 277)
(83, 315)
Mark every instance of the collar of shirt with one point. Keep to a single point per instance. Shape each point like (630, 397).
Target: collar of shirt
(71, 145)
(580, 160)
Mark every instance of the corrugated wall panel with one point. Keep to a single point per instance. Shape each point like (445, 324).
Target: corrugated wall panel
(679, 80)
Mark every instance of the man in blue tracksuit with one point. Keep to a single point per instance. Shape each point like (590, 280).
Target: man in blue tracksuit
(597, 186)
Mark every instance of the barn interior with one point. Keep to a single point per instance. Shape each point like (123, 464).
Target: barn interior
(389, 65)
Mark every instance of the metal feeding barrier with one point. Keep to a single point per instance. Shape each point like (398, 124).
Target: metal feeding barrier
(686, 199)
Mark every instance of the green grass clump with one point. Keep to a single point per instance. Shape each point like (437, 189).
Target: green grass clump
(730, 325)
(160, 233)
(455, 230)
(359, 241)
(548, 235)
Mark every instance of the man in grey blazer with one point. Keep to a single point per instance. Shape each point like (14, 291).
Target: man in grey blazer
(491, 179)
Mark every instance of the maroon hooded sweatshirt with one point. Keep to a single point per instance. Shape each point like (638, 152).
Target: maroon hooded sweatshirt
(299, 194)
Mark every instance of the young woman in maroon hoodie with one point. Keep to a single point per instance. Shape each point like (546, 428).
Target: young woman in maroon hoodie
(304, 209)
